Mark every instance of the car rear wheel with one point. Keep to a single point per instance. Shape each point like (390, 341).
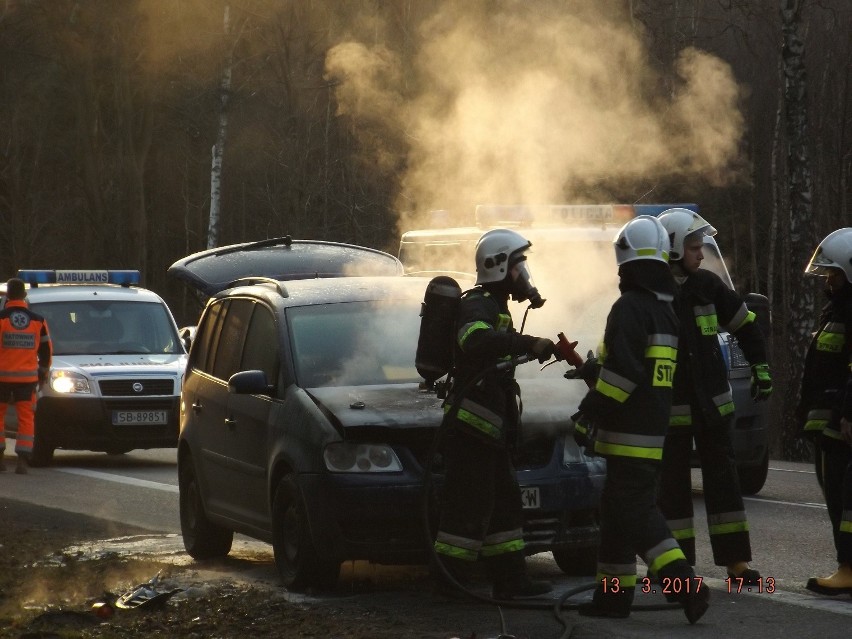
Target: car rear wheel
(752, 478)
(299, 565)
(577, 562)
(202, 538)
(42, 453)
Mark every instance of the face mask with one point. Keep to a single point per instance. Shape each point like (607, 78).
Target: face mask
(523, 287)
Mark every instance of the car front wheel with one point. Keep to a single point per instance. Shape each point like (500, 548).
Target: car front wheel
(752, 478)
(202, 538)
(299, 565)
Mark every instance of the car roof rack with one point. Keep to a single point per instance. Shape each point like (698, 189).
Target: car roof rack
(248, 281)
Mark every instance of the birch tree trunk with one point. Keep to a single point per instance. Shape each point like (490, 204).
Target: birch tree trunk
(801, 233)
(221, 136)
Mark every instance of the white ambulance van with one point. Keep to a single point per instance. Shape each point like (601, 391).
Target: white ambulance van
(573, 265)
(118, 363)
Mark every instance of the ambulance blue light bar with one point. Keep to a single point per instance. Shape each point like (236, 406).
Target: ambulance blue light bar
(34, 277)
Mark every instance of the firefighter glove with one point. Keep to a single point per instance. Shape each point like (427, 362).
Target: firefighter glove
(761, 382)
(584, 432)
(588, 371)
(543, 348)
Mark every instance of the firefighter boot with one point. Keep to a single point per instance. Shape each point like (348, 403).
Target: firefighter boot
(840, 583)
(686, 589)
(21, 468)
(450, 578)
(510, 580)
(742, 571)
(2, 463)
(613, 602)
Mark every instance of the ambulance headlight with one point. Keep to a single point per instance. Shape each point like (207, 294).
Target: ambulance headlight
(67, 382)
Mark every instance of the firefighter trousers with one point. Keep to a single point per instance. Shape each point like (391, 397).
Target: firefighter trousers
(481, 512)
(835, 457)
(631, 525)
(726, 517)
(23, 398)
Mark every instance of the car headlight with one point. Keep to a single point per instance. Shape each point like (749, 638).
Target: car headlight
(343, 457)
(67, 382)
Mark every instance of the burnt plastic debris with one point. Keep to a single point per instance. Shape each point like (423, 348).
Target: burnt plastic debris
(147, 595)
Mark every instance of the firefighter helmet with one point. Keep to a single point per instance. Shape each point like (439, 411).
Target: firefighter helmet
(642, 238)
(680, 224)
(835, 251)
(497, 251)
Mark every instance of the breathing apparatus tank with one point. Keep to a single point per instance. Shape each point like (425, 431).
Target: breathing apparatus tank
(435, 345)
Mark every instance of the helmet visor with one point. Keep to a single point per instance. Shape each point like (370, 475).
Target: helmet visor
(523, 287)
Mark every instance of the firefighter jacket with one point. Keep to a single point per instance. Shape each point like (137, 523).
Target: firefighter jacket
(705, 305)
(485, 337)
(826, 391)
(629, 405)
(24, 344)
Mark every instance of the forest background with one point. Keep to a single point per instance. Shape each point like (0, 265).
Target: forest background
(135, 132)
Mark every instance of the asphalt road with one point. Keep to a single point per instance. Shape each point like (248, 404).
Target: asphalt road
(791, 541)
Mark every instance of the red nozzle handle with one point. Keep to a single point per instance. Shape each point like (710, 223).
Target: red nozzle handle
(566, 351)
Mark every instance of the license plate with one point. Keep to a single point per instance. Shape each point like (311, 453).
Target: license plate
(530, 497)
(125, 417)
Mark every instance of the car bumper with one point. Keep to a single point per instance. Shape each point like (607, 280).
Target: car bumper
(380, 517)
(86, 424)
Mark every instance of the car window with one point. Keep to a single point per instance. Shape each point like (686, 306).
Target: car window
(229, 345)
(202, 346)
(354, 343)
(109, 327)
(260, 351)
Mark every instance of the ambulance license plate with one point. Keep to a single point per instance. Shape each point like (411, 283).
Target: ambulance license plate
(530, 497)
(125, 417)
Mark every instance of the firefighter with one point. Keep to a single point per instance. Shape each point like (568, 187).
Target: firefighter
(25, 356)
(481, 515)
(825, 407)
(624, 418)
(702, 405)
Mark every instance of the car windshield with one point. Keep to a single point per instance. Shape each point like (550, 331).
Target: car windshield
(105, 327)
(355, 343)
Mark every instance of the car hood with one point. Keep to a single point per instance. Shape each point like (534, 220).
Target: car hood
(282, 258)
(547, 406)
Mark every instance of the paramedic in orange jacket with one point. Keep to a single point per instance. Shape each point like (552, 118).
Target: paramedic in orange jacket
(25, 355)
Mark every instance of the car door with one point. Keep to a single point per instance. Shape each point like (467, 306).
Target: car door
(249, 427)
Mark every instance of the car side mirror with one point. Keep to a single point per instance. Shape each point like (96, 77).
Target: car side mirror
(250, 383)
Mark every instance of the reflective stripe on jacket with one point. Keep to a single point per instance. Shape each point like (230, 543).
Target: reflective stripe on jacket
(24, 343)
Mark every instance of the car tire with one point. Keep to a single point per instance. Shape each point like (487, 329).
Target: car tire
(577, 562)
(42, 454)
(202, 538)
(752, 478)
(299, 565)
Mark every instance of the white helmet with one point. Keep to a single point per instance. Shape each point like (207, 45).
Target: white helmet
(642, 238)
(496, 252)
(681, 223)
(835, 251)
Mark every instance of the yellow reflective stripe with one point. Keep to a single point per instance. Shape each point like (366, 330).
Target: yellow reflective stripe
(830, 432)
(467, 329)
(665, 559)
(661, 352)
(613, 392)
(830, 342)
(477, 422)
(684, 533)
(504, 321)
(622, 450)
(742, 317)
(816, 424)
(513, 545)
(579, 428)
(732, 527)
(454, 551)
(846, 526)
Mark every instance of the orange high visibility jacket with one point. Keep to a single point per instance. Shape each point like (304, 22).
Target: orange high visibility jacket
(24, 343)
